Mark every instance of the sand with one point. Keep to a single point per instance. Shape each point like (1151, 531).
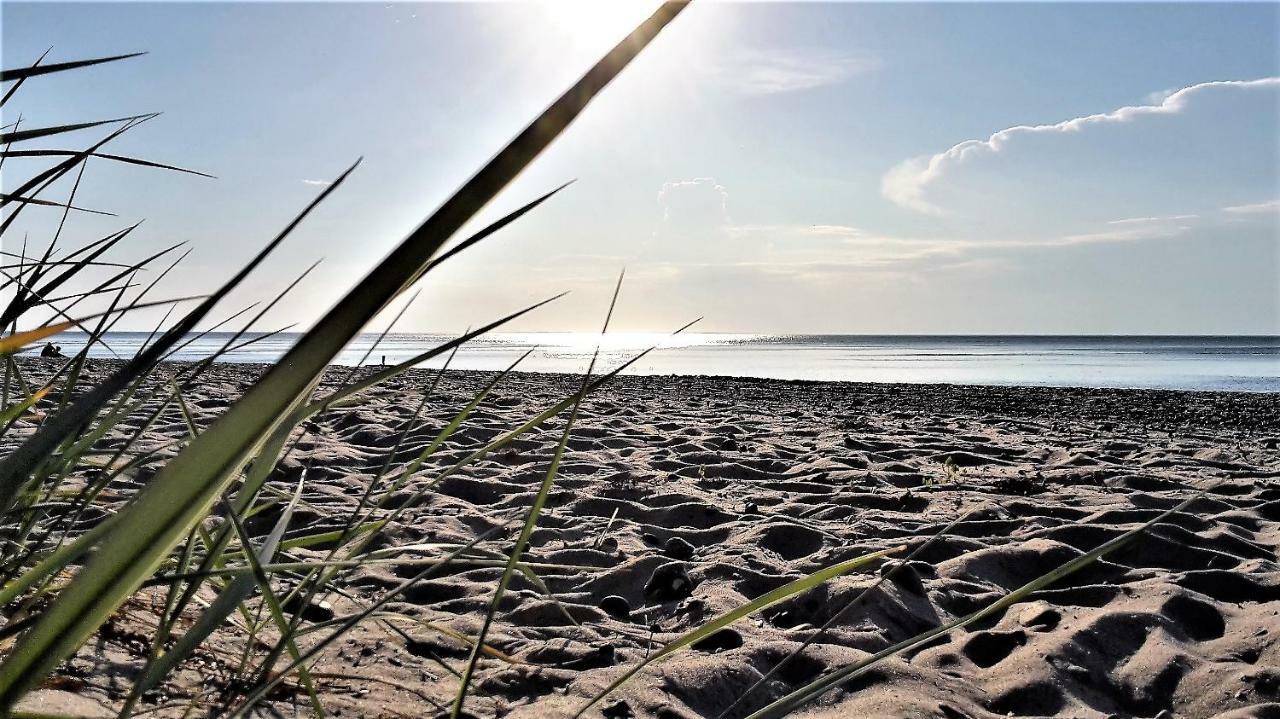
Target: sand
(746, 484)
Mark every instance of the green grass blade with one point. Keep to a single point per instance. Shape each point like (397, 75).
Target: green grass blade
(840, 613)
(18, 464)
(760, 603)
(185, 489)
(798, 698)
(261, 691)
(531, 520)
(220, 608)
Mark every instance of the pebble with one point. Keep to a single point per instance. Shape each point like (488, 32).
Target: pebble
(678, 548)
(668, 583)
(721, 641)
(616, 607)
(618, 709)
(314, 611)
(1039, 617)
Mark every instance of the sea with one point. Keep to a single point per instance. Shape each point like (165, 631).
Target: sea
(1235, 363)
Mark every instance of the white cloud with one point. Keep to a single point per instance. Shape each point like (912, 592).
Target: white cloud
(1144, 220)
(907, 183)
(699, 202)
(1256, 208)
(1159, 96)
(1143, 231)
(779, 71)
(814, 250)
(318, 183)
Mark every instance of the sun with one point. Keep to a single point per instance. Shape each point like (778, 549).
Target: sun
(593, 23)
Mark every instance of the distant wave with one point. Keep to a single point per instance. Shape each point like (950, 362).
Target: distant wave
(1233, 363)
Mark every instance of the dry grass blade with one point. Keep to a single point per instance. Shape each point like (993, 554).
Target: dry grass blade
(18, 340)
(15, 410)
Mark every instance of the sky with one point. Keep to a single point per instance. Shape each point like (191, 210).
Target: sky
(896, 168)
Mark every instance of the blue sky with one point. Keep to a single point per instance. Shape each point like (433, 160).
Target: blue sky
(837, 167)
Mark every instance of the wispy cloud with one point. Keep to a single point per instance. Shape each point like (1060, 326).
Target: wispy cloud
(318, 183)
(1135, 233)
(825, 250)
(906, 184)
(700, 201)
(1257, 208)
(1145, 220)
(776, 71)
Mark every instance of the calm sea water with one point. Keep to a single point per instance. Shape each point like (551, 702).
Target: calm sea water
(1206, 363)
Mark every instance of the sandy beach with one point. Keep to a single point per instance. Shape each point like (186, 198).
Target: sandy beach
(742, 485)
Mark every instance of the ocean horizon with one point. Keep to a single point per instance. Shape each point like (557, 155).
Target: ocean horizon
(1180, 362)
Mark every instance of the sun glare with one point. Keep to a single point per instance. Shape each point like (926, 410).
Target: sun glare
(591, 23)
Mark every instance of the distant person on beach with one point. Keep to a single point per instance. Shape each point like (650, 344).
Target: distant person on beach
(51, 350)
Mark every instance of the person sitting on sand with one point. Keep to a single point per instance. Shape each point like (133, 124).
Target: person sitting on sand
(51, 350)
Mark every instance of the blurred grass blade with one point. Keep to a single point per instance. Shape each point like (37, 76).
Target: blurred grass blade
(760, 603)
(8, 138)
(15, 410)
(494, 227)
(183, 491)
(6, 198)
(104, 156)
(355, 619)
(221, 607)
(37, 69)
(18, 340)
(9, 94)
(18, 464)
(393, 370)
(798, 698)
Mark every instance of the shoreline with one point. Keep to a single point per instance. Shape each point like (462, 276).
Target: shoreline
(1244, 410)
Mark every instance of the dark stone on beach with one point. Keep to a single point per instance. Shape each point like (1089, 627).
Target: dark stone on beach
(678, 548)
(721, 641)
(903, 575)
(313, 611)
(752, 508)
(1040, 618)
(616, 607)
(668, 583)
(618, 709)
